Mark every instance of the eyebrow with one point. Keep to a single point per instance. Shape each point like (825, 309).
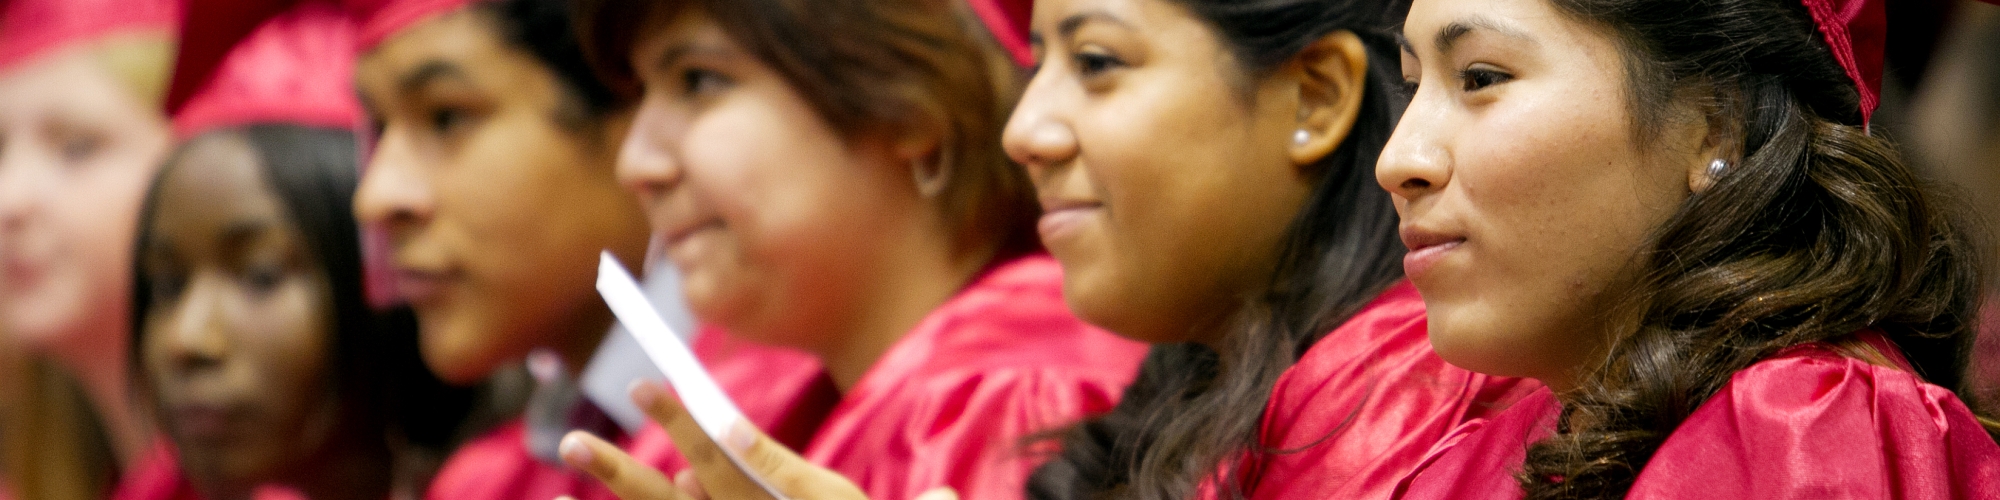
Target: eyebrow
(680, 51)
(1069, 25)
(1457, 30)
(240, 232)
(429, 72)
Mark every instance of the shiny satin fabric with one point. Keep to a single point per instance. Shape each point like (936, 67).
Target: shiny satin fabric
(1808, 423)
(158, 477)
(952, 402)
(1364, 405)
(948, 405)
(780, 390)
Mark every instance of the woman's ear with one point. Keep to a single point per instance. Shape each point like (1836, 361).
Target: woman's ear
(1721, 150)
(925, 147)
(1333, 76)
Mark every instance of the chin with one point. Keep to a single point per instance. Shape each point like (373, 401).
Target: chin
(456, 352)
(1473, 341)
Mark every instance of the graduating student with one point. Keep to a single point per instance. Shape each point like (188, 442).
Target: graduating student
(1207, 171)
(851, 199)
(254, 345)
(1678, 220)
(491, 174)
(80, 135)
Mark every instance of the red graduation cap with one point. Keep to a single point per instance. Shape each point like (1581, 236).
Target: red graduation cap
(296, 67)
(1008, 21)
(30, 28)
(380, 18)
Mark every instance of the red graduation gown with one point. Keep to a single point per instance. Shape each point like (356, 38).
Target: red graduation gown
(777, 389)
(1364, 405)
(1808, 423)
(950, 403)
(159, 477)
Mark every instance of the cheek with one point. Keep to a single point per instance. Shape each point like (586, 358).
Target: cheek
(291, 352)
(1556, 204)
(1191, 198)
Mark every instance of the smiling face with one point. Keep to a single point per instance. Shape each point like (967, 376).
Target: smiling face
(1168, 179)
(76, 150)
(497, 192)
(774, 218)
(238, 330)
(1525, 198)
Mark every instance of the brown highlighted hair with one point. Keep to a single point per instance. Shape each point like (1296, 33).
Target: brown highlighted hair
(1818, 232)
(870, 68)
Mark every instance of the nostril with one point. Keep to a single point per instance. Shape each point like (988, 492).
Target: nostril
(1416, 184)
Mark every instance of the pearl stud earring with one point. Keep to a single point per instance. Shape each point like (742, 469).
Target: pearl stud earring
(1715, 168)
(1301, 137)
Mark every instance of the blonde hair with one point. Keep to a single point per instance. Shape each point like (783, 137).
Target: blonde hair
(141, 61)
(53, 445)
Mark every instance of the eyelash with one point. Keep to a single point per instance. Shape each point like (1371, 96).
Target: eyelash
(1090, 65)
(696, 81)
(1472, 80)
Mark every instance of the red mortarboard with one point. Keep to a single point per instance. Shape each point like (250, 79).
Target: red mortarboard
(295, 68)
(29, 28)
(1008, 21)
(380, 18)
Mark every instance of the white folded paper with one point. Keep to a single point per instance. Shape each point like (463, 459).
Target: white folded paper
(711, 408)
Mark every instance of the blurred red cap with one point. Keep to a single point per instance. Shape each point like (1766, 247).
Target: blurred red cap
(297, 67)
(30, 28)
(1007, 20)
(380, 18)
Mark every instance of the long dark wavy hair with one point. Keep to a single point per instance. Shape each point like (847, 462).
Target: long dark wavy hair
(1193, 411)
(1819, 231)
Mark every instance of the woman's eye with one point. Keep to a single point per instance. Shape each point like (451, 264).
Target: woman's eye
(78, 148)
(697, 82)
(1092, 64)
(263, 279)
(444, 121)
(1406, 89)
(1480, 78)
(166, 287)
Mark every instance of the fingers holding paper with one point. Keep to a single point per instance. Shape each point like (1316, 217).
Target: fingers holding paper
(712, 475)
(624, 476)
(715, 476)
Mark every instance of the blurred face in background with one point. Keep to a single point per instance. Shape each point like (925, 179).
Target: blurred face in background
(497, 191)
(77, 147)
(776, 220)
(239, 323)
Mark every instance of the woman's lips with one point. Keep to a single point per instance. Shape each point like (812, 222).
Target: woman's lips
(204, 423)
(21, 274)
(422, 287)
(1061, 220)
(1426, 249)
(674, 237)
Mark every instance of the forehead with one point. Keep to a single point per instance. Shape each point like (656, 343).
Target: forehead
(218, 180)
(1439, 25)
(1060, 17)
(465, 44)
(70, 82)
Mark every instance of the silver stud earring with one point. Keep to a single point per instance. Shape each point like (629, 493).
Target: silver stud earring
(1301, 137)
(1717, 167)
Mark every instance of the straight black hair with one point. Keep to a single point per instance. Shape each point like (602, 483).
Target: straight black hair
(1193, 410)
(379, 373)
(544, 29)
